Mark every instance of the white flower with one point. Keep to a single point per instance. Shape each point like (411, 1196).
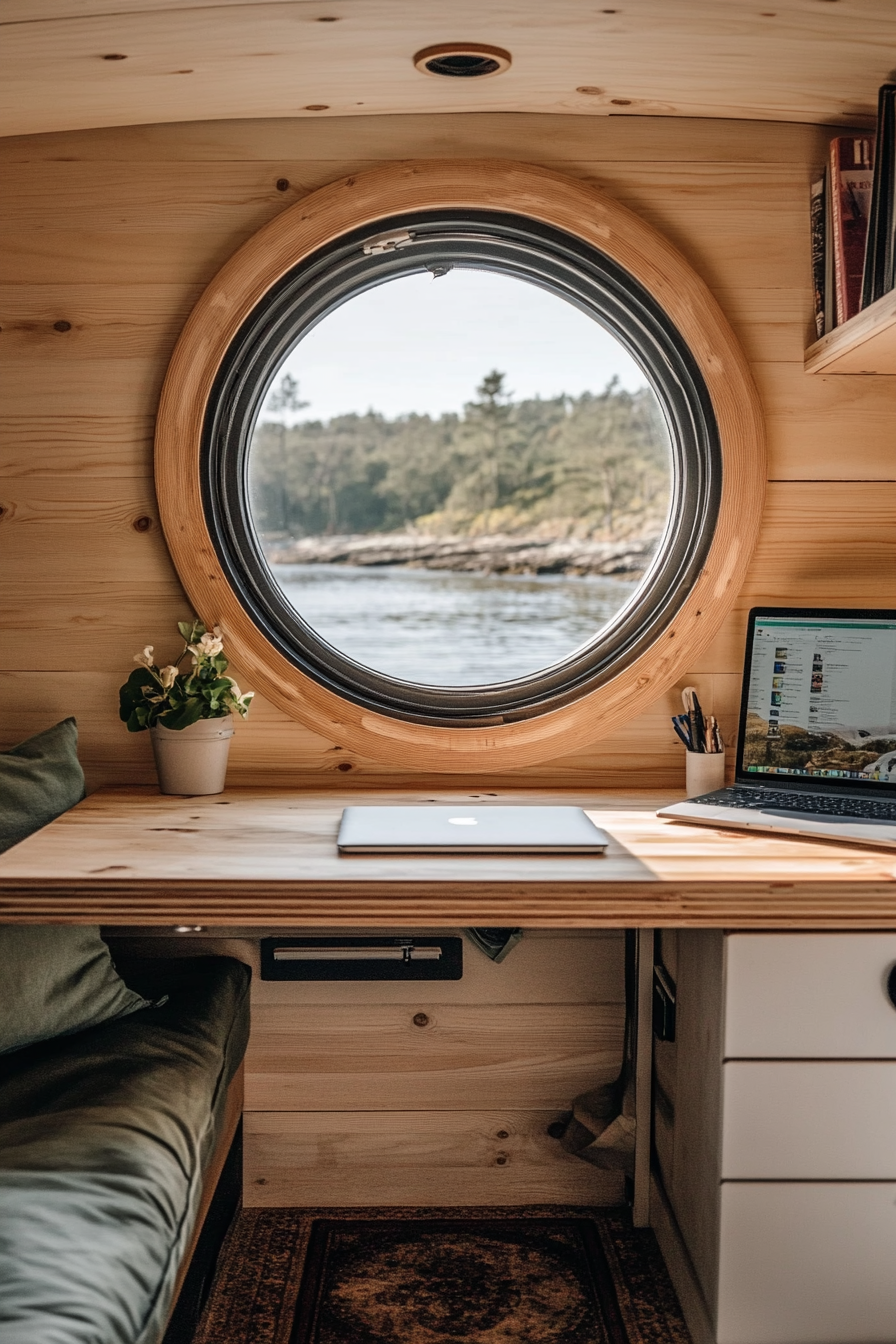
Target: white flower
(239, 703)
(206, 647)
(167, 676)
(144, 658)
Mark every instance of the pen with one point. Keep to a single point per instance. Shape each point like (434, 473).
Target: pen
(698, 731)
(677, 725)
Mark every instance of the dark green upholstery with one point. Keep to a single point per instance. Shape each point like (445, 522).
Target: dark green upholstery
(39, 780)
(104, 1136)
(57, 979)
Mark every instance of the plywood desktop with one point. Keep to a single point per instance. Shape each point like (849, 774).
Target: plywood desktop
(267, 858)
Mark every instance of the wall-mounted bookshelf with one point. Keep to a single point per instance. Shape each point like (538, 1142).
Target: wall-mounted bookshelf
(864, 344)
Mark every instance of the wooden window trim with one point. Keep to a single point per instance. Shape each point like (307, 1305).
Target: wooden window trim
(536, 193)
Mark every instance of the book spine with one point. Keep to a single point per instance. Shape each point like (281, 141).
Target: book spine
(878, 251)
(851, 184)
(828, 255)
(818, 242)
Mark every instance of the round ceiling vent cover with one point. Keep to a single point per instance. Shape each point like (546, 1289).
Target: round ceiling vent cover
(462, 60)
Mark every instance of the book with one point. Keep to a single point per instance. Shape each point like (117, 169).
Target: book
(851, 183)
(828, 255)
(878, 275)
(817, 224)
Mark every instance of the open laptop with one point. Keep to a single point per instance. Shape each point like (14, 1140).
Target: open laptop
(460, 829)
(816, 752)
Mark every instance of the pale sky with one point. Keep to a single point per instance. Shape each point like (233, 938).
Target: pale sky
(423, 344)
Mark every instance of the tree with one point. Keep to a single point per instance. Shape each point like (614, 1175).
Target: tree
(286, 396)
(275, 470)
(488, 445)
(595, 464)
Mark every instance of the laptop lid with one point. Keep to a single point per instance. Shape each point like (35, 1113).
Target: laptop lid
(818, 706)
(461, 829)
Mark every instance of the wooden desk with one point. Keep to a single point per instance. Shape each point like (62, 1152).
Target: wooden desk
(266, 858)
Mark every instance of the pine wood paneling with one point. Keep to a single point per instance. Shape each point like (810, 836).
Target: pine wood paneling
(117, 230)
(710, 212)
(826, 428)
(63, 256)
(556, 139)
(91, 620)
(502, 1156)
(54, 528)
(100, 387)
(257, 59)
(34, 444)
(467, 1057)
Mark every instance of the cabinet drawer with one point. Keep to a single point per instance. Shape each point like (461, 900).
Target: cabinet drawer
(807, 1263)
(806, 1120)
(809, 995)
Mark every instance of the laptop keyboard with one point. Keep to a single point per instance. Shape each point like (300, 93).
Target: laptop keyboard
(870, 809)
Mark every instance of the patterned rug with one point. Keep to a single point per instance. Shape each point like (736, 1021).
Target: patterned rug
(421, 1276)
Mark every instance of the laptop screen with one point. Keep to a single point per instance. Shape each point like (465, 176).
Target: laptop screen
(819, 699)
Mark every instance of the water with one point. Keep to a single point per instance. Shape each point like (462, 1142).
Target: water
(447, 629)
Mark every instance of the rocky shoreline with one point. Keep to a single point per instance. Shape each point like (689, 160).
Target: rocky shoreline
(496, 554)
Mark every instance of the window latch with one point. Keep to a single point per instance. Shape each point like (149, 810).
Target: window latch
(387, 242)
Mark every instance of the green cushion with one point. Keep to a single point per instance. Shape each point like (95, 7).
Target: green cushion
(104, 1139)
(57, 980)
(39, 779)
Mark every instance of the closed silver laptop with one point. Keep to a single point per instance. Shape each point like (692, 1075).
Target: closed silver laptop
(816, 751)
(469, 830)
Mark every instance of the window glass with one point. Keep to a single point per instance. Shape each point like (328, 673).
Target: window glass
(461, 469)
(458, 477)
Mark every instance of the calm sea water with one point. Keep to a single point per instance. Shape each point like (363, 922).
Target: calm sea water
(449, 629)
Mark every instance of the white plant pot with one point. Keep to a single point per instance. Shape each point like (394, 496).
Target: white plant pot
(192, 761)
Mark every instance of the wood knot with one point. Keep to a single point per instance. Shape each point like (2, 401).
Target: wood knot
(421, 1020)
(142, 524)
(282, 184)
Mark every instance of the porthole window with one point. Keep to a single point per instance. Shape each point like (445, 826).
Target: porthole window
(446, 562)
(458, 465)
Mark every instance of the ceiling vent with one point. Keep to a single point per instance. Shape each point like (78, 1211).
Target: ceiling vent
(462, 60)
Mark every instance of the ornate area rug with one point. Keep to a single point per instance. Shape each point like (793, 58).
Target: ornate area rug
(424, 1276)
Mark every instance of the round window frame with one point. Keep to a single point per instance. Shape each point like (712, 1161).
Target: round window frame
(497, 735)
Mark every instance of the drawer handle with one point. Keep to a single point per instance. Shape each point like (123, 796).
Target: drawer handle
(891, 985)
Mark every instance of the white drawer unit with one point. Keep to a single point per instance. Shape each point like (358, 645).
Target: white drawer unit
(809, 1120)
(781, 1170)
(807, 1263)
(809, 996)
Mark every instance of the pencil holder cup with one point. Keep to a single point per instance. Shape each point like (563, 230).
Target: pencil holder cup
(704, 771)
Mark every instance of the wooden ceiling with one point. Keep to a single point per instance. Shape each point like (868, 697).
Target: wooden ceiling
(186, 60)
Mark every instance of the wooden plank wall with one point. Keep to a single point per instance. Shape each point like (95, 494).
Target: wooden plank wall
(432, 1093)
(116, 231)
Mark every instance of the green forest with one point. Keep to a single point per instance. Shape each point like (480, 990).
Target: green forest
(593, 466)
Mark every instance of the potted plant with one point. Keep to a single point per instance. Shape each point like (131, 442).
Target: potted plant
(188, 714)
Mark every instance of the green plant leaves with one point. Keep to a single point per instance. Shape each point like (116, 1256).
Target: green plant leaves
(191, 630)
(203, 692)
